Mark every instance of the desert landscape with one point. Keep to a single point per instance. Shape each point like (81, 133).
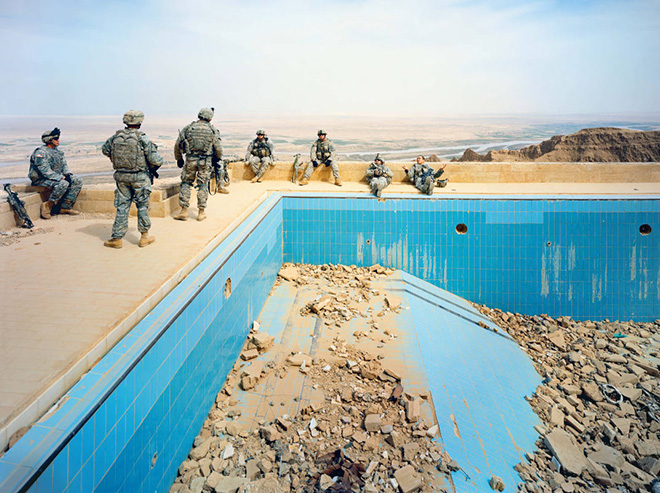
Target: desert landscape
(356, 138)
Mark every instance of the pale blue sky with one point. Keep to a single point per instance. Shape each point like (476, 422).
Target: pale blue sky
(362, 57)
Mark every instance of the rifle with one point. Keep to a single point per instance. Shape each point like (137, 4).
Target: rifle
(19, 207)
(219, 175)
(296, 167)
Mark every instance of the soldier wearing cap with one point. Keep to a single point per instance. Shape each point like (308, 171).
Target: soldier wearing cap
(423, 176)
(200, 143)
(260, 155)
(135, 159)
(322, 152)
(378, 176)
(48, 169)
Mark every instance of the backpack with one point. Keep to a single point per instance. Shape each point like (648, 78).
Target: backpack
(127, 151)
(199, 137)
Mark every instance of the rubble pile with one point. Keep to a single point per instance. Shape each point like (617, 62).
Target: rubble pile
(363, 432)
(366, 435)
(599, 402)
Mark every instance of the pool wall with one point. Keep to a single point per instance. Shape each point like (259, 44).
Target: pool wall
(131, 420)
(583, 258)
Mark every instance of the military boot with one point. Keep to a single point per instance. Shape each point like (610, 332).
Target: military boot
(70, 212)
(254, 180)
(146, 239)
(113, 243)
(304, 182)
(223, 190)
(45, 209)
(338, 182)
(201, 215)
(183, 215)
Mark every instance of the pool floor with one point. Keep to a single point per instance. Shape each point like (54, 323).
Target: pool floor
(474, 378)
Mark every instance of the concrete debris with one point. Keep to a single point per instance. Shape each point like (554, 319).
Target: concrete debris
(599, 402)
(363, 433)
(496, 483)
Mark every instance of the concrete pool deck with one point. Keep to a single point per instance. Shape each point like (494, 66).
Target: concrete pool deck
(66, 299)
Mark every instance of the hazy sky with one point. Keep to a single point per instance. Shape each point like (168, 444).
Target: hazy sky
(355, 57)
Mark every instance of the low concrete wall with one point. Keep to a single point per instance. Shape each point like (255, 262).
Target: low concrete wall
(164, 198)
(481, 172)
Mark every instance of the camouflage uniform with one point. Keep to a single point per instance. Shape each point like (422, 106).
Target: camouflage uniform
(422, 175)
(322, 152)
(260, 155)
(378, 177)
(133, 179)
(48, 169)
(200, 142)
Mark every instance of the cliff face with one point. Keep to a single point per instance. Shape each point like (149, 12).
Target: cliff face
(588, 145)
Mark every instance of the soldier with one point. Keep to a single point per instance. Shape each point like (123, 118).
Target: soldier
(378, 176)
(322, 152)
(135, 160)
(260, 155)
(48, 169)
(423, 176)
(200, 142)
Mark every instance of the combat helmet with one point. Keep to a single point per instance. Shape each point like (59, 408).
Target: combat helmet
(206, 114)
(262, 132)
(378, 158)
(46, 137)
(133, 117)
(321, 132)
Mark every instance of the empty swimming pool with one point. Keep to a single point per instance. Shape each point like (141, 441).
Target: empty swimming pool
(128, 423)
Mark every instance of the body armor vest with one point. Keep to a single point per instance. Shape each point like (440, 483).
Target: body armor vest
(199, 137)
(260, 149)
(127, 152)
(323, 150)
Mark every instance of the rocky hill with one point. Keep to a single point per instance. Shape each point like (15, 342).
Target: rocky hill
(588, 145)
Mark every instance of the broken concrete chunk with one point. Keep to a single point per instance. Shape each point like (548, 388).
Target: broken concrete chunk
(570, 457)
(413, 410)
(408, 480)
(372, 423)
(289, 273)
(300, 359)
(249, 354)
(592, 392)
(496, 483)
(262, 341)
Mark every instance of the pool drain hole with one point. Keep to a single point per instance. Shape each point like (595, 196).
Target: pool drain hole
(645, 229)
(548, 243)
(368, 242)
(228, 288)
(461, 229)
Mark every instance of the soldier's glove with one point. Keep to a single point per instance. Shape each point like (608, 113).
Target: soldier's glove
(328, 162)
(179, 163)
(315, 163)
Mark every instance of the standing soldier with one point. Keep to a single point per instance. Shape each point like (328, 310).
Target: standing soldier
(200, 142)
(260, 155)
(48, 169)
(423, 176)
(378, 176)
(135, 160)
(322, 152)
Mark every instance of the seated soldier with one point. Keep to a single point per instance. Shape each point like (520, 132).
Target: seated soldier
(322, 152)
(48, 169)
(260, 155)
(378, 176)
(423, 176)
